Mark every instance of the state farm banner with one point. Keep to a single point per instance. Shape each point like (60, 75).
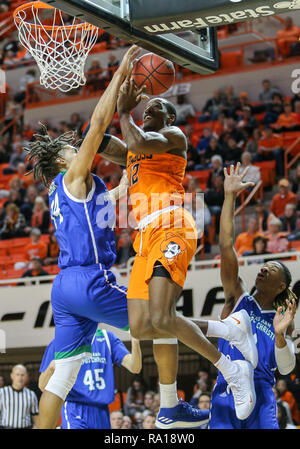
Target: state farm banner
(26, 315)
(173, 16)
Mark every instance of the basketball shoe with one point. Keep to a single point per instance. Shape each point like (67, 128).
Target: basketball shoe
(240, 335)
(183, 416)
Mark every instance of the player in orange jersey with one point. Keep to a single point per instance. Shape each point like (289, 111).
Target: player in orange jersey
(165, 245)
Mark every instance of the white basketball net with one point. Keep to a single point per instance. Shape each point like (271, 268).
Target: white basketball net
(59, 51)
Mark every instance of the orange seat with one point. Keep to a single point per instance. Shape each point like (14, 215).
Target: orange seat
(231, 59)
(296, 245)
(17, 250)
(45, 238)
(267, 172)
(116, 405)
(22, 241)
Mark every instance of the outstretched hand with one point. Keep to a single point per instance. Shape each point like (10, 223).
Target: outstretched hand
(128, 60)
(130, 95)
(233, 182)
(283, 319)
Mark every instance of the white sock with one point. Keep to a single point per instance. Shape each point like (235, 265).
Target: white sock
(168, 395)
(226, 366)
(217, 329)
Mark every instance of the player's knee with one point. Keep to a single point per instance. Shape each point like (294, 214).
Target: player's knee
(161, 321)
(64, 377)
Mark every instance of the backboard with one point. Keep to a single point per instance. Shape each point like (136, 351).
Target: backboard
(196, 50)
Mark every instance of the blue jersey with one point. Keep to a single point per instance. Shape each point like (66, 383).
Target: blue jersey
(263, 331)
(84, 228)
(95, 381)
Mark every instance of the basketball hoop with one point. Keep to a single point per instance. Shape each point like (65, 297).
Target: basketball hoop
(60, 50)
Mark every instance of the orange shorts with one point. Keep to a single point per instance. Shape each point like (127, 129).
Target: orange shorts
(171, 240)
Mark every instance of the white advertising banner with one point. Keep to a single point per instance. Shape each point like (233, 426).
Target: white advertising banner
(26, 315)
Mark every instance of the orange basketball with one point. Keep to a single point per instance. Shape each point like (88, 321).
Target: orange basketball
(155, 72)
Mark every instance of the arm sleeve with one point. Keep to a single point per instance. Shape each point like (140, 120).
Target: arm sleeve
(105, 140)
(49, 355)
(285, 357)
(118, 349)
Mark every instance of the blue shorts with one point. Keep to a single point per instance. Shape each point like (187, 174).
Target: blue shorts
(81, 298)
(264, 415)
(82, 416)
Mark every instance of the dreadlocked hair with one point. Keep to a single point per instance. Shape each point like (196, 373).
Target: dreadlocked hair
(287, 293)
(44, 151)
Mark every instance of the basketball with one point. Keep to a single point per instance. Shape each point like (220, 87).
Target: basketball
(155, 72)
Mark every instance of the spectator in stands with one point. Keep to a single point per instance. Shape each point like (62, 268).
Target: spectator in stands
(29, 202)
(297, 116)
(295, 99)
(204, 401)
(17, 157)
(281, 199)
(148, 403)
(214, 198)
(283, 418)
(116, 419)
(204, 143)
(113, 64)
(274, 109)
(253, 174)
(259, 248)
(2, 383)
(35, 271)
(98, 78)
(284, 404)
(10, 59)
(149, 422)
(76, 123)
(253, 143)
(266, 94)
(231, 100)
(28, 78)
(277, 241)
(296, 181)
(184, 110)
(231, 130)
(11, 44)
(40, 215)
(36, 248)
(247, 123)
(287, 37)
(287, 121)
(217, 170)
(243, 101)
(232, 152)
(212, 107)
(125, 249)
(15, 198)
(26, 181)
(53, 250)
(11, 112)
(192, 154)
(270, 148)
(4, 155)
(288, 397)
(289, 220)
(262, 215)
(213, 149)
(14, 223)
(135, 398)
(127, 423)
(244, 241)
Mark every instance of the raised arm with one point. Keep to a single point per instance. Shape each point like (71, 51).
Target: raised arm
(80, 167)
(232, 284)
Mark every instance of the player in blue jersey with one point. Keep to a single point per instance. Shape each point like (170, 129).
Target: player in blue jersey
(85, 292)
(86, 406)
(271, 309)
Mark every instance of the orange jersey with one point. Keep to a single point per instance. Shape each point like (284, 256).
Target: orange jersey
(155, 182)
